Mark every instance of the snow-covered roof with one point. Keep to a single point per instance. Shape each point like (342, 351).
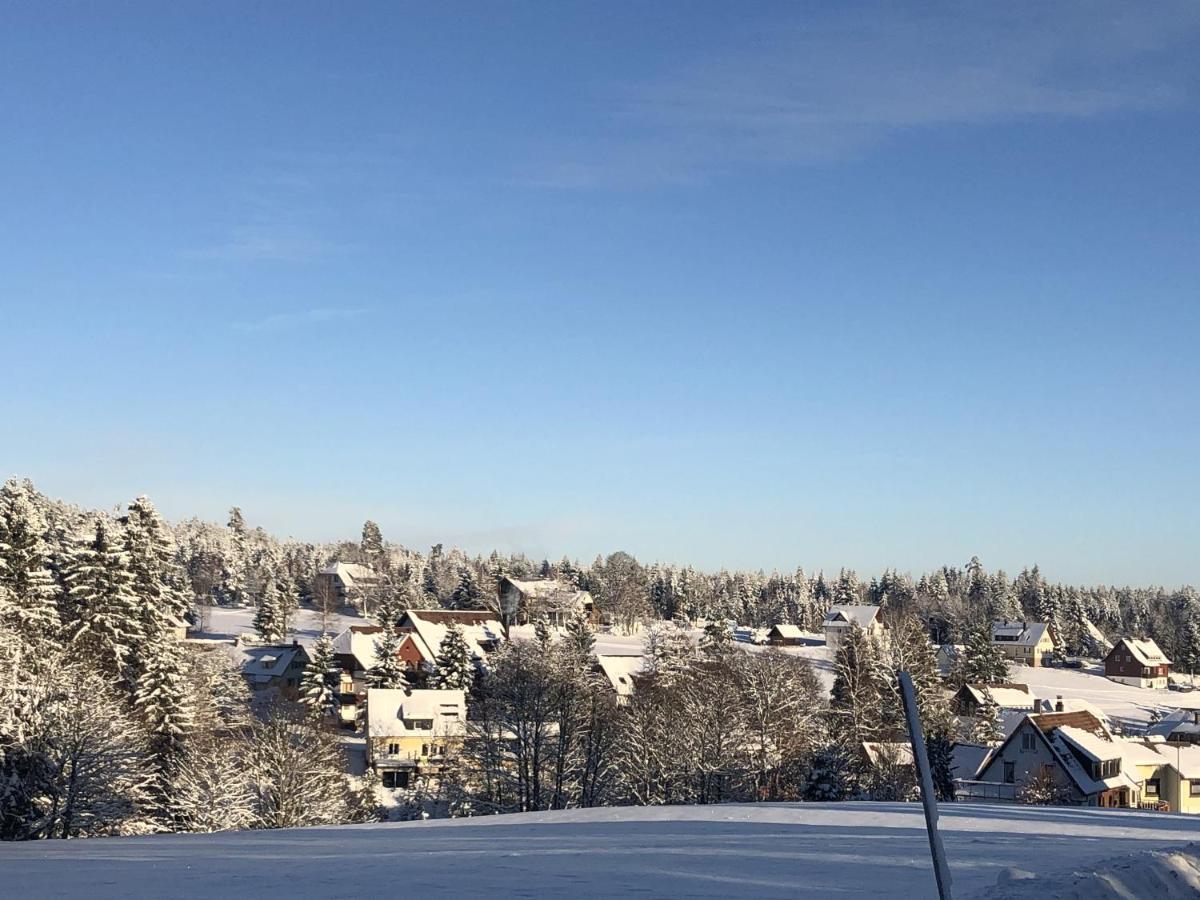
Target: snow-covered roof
(350, 572)
(359, 641)
(264, 663)
(789, 632)
(1005, 696)
(897, 753)
(552, 593)
(1144, 651)
(429, 631)
(620, 669)
(1180, 722)
(1021, 634)
(843, 616)
(395, 712)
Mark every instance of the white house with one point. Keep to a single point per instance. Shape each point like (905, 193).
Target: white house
(839, 619)
(621, 669)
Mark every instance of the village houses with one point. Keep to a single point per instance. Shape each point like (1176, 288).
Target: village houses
(410, 733)
(839, 619)
(556, 601)
(1139, 663)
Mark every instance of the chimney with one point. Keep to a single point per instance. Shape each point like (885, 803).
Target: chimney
(1058, 704)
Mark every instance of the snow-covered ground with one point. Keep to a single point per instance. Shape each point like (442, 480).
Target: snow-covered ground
(767, 850)
(223, 622)
(1125, 704)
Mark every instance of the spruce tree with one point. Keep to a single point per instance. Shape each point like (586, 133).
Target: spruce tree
(982, 660)
(579, 634)
(466, 592)
(988, 728)
(163, 701)
(455, 668)
(27, 585)
(270, 621)
(372, 544)
(100, 590)
(234, 583)
(319, 681)
(389, 670)
(856, 699)
(717, 640)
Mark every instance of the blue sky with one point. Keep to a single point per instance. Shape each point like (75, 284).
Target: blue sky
(738, 285)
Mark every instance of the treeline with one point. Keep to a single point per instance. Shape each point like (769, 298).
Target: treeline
(108, 725)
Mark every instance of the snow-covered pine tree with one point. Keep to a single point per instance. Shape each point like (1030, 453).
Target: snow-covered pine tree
(940, 750)
(455, 668)
(466, 593)
(163, 698)
(270, 621)
(717, 640)
(319, 682)
(157, 576)
(234, 586)
(372, 545)
(832, 775)
(297, 772)
(988, 728)
(982, 661)
(669, 652)
(542, 632)
(389, 671)
(106, 613)
(579, 634)
(30, 606)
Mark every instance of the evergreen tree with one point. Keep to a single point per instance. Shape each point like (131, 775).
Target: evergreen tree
(455, 667)
(372, 545)
(940, 750)
(319, 682)
(106, 611)
(466, 593)
(28, 595)
(832, 775)
(234, 584)
(389, 670)
(982, 661)
(717, 640)
(988, 728)
(271, 619)
(579, 634)
(669, 652)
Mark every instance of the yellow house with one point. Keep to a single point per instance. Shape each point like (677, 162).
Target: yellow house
(1174, 780)
(409, 733)
(1023, 642)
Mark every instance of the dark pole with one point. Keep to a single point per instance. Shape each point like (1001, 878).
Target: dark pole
(941, 868)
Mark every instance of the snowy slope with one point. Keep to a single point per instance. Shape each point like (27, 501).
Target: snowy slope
(769, 850)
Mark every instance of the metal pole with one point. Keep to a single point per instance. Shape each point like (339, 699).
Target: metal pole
(941, 868)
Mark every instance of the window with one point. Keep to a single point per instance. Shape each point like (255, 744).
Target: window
(1152, 787)
(394, 779)
(424, 749)
(1194, 789)
(1028, 741)
(1010, 773)
(393, 749)
(426, 724)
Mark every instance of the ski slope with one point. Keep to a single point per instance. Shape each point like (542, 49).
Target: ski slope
(847, 850)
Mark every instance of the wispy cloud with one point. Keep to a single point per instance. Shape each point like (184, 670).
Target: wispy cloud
(300, 318)
(265, 243)
(837, 84)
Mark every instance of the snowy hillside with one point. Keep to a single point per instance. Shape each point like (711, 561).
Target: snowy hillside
(775, 850)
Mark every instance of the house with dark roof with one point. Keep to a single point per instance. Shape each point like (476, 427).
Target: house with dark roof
(526, 601)
(275, 670)
(1023, 642)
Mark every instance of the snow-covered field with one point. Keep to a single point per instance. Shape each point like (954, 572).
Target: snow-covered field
(767, 850)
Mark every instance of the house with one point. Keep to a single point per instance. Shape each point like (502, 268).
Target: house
(839, 619)
(621, 670)
(783, 635)
(1072, 752)
(425, 629)
(557, 601)
(1006, 697)
(348, 582)
(1179, 727)
(1139, 663)
(410, 733)
(274, 671)
(1023, 642)
(876, 754)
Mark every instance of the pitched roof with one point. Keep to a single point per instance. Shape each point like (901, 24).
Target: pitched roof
(1021, 634)
(551, 593)
(350, 572)
(1005, 696)
(841, 616)
(359, 641)
(791, 632)
(265, 663)
(391, 712)
(1144, 651)
(620, 669)
(429, 631)
(1081, 719)
(966, 760)
(897, 753)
